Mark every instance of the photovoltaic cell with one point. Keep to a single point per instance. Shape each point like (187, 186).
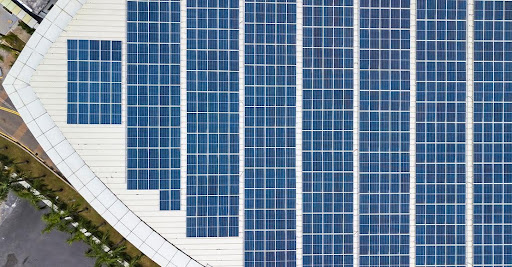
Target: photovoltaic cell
(94, 82)
(270, 182)
(154, 99)
(327, 133)
(493, 134)
(384, 133)
(441, 133)
(212, 118)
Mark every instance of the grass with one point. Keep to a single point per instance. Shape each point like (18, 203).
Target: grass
(30, 165)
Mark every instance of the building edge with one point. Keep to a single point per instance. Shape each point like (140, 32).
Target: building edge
(68, 161)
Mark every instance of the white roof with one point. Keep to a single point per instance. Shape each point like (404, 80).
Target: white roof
(92, 157)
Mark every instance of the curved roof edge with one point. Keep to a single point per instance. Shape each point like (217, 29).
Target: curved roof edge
(60, 151)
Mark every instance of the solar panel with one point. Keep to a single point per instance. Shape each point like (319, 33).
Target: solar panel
(327, 133)
(270, 182)
(384, 135)
(153, 79)
(441, 133)
(94, 82)
(212, 118)
(493, 134)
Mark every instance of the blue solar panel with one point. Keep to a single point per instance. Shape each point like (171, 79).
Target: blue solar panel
(213, 118)
(270, 77)
(441, 117)
(94, 82)
(384, 134)
(493, 134)
(153, 159)
(327, 133)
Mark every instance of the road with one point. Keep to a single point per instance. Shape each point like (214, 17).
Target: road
(22, 244)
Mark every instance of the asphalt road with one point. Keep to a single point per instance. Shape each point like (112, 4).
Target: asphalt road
(23, 244)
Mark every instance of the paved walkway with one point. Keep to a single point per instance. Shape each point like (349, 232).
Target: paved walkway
(22, 244)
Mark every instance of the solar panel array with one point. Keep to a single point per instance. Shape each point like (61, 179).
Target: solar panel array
(213, 106)
(270, 78)
(212, 118)
(441, 133)
(493, 134)
(154, 99)
(327, 133)
(94, 82)
(384, 133)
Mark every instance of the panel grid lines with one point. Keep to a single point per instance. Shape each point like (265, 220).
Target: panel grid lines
(327, 133)
(94, 82)
(153, 99)
(212, 118)
(384, 133)
(493, 134)
(441, 112)
(270, 90)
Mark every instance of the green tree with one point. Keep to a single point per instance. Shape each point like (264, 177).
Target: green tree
(103, 258)
(56, 220)
(8, 181)
(118, 253)
(5, 187)
(6, 161)
(31, 198)
(90, 226)
(77, 235)
(25, 27)
(74, 209)
(134, 262)
(43, 189)
(11, 43)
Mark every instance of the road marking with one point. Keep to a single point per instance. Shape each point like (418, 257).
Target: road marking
(10, 111)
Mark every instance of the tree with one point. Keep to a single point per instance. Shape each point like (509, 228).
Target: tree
(77, 235)
(11, 43)
(43, 189)
(104, 238)
(103, 258)
(25, 27)
(4, 190)
(8, 181)
(96, 251)
(134, 262)
(30, 197)
(87, 224)
(6, 161)
(118, 253)
(56, 220)
(74, 209)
